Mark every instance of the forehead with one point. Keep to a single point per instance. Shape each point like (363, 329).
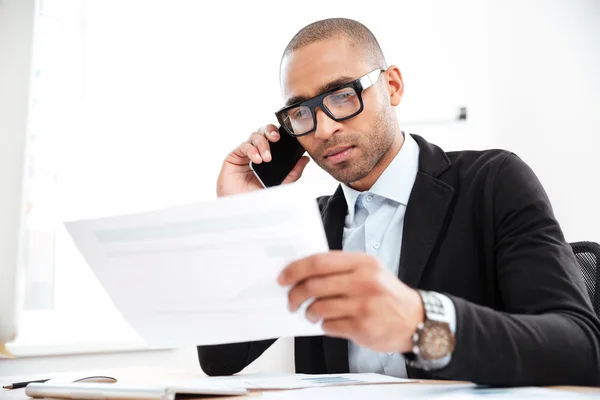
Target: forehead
(311, 67)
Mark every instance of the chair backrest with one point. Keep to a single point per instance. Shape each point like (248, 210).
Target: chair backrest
(588, 258)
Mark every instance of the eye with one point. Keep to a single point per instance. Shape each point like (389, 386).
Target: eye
(342, 97)
(300, 113)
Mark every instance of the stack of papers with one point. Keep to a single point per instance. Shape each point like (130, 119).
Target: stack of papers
(301, 381)
(206, 273)
(425, 391)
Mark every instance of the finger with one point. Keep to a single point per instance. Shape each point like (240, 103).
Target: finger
(246, 150)
(270, 131)
(333, 308)
(340, 327)
(296, 172)
(318, 265)
(318, 287)
(259, 141)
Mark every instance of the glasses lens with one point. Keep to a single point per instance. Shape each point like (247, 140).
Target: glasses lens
(299, 120)
(342, 103)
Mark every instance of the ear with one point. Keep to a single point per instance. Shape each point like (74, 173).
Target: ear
(395, 84)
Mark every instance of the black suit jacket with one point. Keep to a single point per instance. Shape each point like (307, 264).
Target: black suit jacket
(479, 228)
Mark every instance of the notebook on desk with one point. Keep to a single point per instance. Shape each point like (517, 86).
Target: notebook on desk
(118, 391)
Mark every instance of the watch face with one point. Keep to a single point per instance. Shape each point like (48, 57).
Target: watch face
(436, 340)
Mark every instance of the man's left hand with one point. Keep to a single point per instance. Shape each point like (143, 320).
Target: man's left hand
(357, 298)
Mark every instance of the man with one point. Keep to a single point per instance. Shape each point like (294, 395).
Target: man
(453, 265)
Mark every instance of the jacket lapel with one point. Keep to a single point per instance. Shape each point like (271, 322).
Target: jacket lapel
(426, 212)
(334, 214)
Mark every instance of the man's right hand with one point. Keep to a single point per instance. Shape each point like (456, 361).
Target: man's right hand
(237, 177)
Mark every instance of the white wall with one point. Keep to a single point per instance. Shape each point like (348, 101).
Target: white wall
(523, 69)
(545, 100)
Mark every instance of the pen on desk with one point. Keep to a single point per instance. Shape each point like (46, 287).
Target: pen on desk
(18, 385)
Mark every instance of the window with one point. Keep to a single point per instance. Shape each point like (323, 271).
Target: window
(62, 295)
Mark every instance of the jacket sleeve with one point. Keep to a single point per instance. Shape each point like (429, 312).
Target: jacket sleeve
(548, 333)
(229, 359)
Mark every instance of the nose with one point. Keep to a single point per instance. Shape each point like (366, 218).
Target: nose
(326, 127)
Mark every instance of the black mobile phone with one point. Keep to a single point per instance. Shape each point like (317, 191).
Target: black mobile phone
(285, 153)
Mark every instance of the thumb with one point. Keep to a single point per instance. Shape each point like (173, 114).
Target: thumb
(296, 172)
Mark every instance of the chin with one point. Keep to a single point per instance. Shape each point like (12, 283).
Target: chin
(348, 174)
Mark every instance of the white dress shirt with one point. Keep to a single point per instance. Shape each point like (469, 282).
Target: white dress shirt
(374, 224)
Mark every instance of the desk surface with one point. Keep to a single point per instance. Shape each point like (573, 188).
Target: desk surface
(147, 375)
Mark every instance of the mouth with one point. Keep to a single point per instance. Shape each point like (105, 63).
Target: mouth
(338, 154)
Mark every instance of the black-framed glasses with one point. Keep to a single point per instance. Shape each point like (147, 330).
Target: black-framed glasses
(339, 104)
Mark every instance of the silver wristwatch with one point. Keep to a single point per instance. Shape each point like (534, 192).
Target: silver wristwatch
(433, 340)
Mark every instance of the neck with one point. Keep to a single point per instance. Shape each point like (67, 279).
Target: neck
(368, 181)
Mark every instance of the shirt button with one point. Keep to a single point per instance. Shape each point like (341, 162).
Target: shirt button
(369, 198)
(376, 245)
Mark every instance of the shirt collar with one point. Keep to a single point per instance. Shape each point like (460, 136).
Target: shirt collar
(396, 181)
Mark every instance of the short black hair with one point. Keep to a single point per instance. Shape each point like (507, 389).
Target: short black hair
(332, 28)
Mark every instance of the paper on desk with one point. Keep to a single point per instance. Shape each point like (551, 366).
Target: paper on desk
(299, 381)
(362, 392)
(423, 391)
(206, 273)
(517, 393)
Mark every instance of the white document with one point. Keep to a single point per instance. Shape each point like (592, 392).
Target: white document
(424, 391)
(518, 393)
(300, 381)
(206, 273)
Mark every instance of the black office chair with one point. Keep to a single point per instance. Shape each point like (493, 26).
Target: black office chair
(588, 258)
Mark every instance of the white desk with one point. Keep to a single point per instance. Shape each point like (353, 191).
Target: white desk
(148, 375)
